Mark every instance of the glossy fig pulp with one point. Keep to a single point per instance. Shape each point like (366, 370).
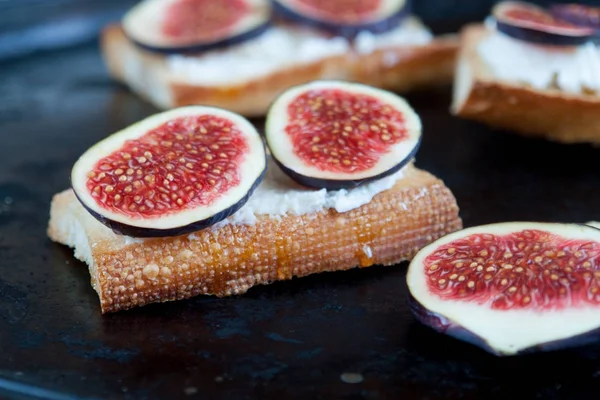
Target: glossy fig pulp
(182, 26)
(336, 135)
(578, 14)
(511, 287)
(345, 18)
(173, 173)
(534, 24)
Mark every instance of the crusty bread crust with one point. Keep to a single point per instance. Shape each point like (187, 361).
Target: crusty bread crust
(231, 259)
(145, 73)
(553, 114)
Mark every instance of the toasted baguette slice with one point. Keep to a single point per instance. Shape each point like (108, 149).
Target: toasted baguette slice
(230, 259)
(552, 113)
(147, 74)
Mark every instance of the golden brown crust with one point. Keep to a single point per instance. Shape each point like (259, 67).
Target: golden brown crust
(413, 67)
(417, 67)
(552, 114)
(233, 258)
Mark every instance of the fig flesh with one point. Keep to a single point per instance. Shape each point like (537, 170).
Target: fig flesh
(578, 14)
(172, 173)
(338, 135)
(534, 24)
(511, 288)
(346, 18)
(184, 26)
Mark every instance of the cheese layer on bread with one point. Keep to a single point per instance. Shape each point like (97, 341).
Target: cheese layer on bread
(570, 69)
(285, 46)
(278, 196)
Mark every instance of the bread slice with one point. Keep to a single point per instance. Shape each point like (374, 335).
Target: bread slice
(231, 258)
(147, 74)
(551, 113)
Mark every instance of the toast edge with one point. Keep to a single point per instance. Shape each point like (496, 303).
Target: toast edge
(417, 67)
(232, 259)
(551, 114)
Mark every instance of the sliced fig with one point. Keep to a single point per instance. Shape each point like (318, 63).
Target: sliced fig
(183, 26)
(594, 224)
(531, 23)
(337, 135)
(511, 288)
(172, 173)
(578, 14)
(345, 18)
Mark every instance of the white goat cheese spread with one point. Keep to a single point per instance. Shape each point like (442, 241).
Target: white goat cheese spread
(282, 47)
(571, 69)
(279, 195)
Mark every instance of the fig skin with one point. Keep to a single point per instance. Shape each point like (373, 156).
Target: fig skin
(135, 27)
(548, 37)
(569, 12)
(139, 232)
(305, 178)
(334, 184)
(562, 11)
(539, 37)
(514, 330)
(344, 30)
(445, 326)
(205, 47)
(184, 220)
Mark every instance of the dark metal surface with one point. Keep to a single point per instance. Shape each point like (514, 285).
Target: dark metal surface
(287, 340)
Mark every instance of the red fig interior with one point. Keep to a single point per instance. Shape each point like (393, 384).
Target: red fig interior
(171, 170)
(332, 130)
(355, 129)
(514, 285)
(190, 20)
(338, 16)
(578, 14)
(197, 161)
(346, 11)
(526, 15)
(195, 25)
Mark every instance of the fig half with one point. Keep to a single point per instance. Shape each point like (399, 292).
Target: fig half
(338, 135)
(511, 288)
(578, 14)
(534, 24)
(184, 26)
(346, 18)
(172, 173)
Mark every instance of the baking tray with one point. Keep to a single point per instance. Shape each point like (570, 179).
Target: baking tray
(293, 339)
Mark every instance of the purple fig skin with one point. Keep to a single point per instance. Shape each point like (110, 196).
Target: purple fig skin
(331, 184)
(346, 31)
(194, 226)
(577, 14)
(206, 46)
(448, 327)
(589, 225)
(546, 34)
(539, 37)
(566, 13)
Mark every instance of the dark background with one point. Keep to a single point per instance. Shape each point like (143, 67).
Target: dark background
(29, 25)
(288, 340)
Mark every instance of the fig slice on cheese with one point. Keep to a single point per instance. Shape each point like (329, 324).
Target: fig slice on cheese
(346, 18)
(531, 23)
(337, 134)
(511, 288)
(191, 26)
(172, 173)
